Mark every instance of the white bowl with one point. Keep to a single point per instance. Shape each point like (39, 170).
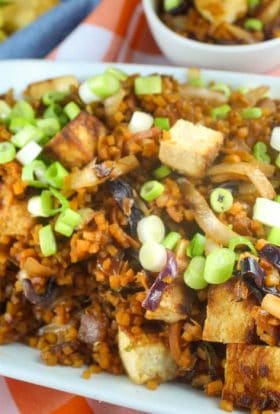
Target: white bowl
(258, 58)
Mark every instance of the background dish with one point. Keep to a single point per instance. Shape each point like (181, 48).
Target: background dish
(169, 398)
(258, 58)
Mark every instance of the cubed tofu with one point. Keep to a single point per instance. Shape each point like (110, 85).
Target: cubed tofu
(174, 305)
(229, 320)
(145, 357)
(16, 220)
(252, 376)
(62, 84)
(191, 148)
(75, 145)
(217, 11)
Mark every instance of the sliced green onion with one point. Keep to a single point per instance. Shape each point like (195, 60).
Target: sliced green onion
(274, 236)
(119, 74)
(277, 199)
(220, 112)
(55, 111)
(148, 85)
(56, 174)
(243, 89)
(5, 110)
(267, 212)
(29, 153)
(169, 5)
(34, 174)
(171, 240)
(104, 85)
(194, 78)
(16, 124)
(153, 256)
(151, 190)
(221, 199)
(72, 110)
(196, 246)
(25, 135)
(49, 126)
(35, 208)
(162, 123)
(140, 121)
(162, 172)
(260, 152)
(150, 228)
(277, 161)
(222, 87)
(275, 138)
(7, 152)
(52, 97)
(23, 109)
(194, 275)
(67, 221)
(48, 198)
(219, 266)
(254, 25)
(241, 241)
(253, 4)
(251, 113)
(47, 241)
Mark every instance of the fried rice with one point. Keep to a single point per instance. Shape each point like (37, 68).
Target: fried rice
(93, 303)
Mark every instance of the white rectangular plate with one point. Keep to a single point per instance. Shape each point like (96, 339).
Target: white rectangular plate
(23, 363)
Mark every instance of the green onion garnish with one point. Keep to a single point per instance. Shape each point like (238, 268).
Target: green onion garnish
(56, 174)
(171, 240)
(196, 246)
(34, 174)
(274, 236)
(49, 126)
(254, 25)
(169, 5)
(162, 172)
(7, 152)
(52, 97)
(219, 266)
(47, 241)
(48, 198)
(260, 152)
(221, 199)
(5, 110)
(277, 199)
(151, 190)
(151, 228)
(221, 87)
(119, 74)
(162, 123)
(148, 85)
(23, 109)
(253, 4)
(16, 124)
(104, 85)
(29, 153)
(67, 221)
(153, 256)
(56, 111)
(251, 113)
(72, 110)
(220, 112)
(241, 241)
(194, 275)
(27, 134)
(277, 161)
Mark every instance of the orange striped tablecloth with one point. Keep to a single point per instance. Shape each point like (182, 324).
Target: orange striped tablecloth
(117, 32)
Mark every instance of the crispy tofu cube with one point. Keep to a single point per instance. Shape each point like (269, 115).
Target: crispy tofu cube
(62, 84)
(217, 11)
(229, 320)
(175, 302)
(191, 149)
(16, 220)
(75, 144)
(252, 376)
(145, 357)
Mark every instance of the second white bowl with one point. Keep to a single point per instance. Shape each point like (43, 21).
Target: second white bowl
(258, 58)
